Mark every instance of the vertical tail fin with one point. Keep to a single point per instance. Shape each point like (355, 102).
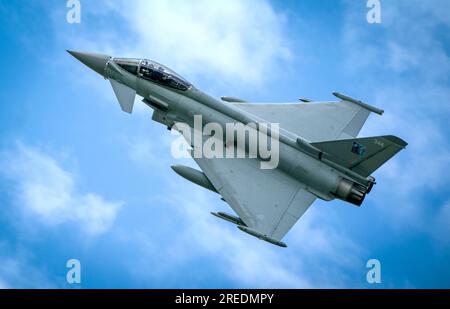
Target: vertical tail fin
(362, 155)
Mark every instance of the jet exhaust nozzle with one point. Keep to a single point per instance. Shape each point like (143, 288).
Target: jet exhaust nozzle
(351, 192)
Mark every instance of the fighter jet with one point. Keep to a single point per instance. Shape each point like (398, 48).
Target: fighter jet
(320, 155)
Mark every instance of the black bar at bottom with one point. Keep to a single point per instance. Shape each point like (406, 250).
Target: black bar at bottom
(208, 298)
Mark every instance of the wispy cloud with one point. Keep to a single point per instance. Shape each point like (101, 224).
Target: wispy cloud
(405, 68)
(18, 271)
(240, 42)
(234, 40)
(441, 225)
(43, 189)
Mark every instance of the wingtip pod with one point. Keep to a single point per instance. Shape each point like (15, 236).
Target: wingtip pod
(262, 236)
(359, 102)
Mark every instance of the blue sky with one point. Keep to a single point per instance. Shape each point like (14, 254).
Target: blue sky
(80, 179)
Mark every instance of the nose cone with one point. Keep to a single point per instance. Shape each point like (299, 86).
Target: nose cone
(96, 62)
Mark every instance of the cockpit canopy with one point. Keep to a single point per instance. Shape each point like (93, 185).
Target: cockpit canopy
(154, 72)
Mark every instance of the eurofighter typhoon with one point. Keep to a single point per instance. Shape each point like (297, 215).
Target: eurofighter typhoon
(311, 149)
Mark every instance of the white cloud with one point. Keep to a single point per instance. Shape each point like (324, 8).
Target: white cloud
(406, 71)
(236, 40)
(241, 42)
(45, 190)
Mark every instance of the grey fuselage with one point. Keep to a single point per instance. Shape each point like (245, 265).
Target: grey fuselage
(318, 177)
